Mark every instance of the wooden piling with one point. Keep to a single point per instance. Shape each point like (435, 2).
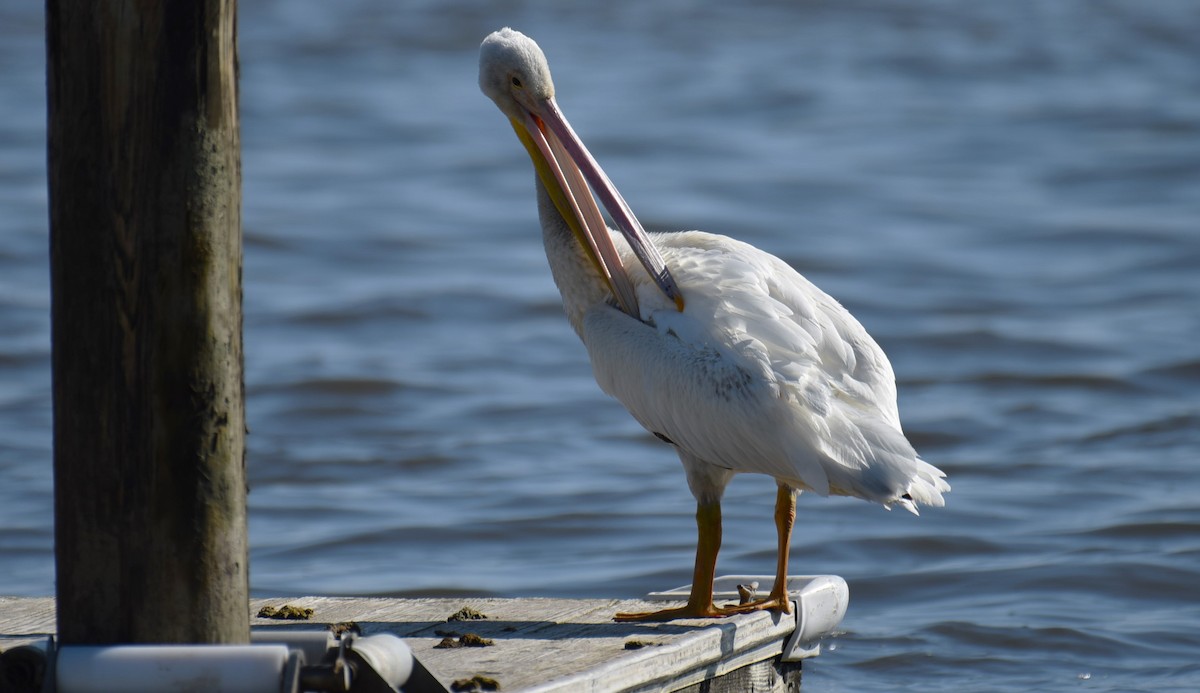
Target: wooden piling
(146, 264)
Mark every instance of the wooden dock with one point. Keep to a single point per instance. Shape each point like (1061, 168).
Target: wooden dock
(530, 645)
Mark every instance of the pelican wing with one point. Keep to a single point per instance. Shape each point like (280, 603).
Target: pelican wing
(762, 372)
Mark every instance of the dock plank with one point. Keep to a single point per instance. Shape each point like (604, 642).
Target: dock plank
(540, 645)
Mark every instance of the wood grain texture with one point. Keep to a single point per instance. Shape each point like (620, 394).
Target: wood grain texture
(564, 645)
(146, 317)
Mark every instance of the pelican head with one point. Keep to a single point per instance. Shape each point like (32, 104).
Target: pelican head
(514, 73)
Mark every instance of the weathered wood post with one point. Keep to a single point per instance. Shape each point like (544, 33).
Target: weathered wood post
(146, 264)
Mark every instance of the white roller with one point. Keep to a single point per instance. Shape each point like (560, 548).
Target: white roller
(389, 661)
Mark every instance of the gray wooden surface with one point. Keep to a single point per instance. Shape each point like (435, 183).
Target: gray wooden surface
(540, 645)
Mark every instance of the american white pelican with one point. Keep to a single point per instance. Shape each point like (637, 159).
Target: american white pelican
(716, 347)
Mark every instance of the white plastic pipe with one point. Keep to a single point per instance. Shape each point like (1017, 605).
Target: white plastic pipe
(154, 668)
(313, 643)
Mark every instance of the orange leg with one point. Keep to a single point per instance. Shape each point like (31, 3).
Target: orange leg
(700, 602)
(785, 518)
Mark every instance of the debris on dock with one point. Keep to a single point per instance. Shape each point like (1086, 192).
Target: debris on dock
(475, 683)
(466, 614)
(287, 612)
(464, 640)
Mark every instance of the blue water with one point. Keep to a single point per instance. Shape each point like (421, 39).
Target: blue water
(1006, 194)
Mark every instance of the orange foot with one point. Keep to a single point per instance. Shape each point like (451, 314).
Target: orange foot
(777, 603)
(686, 611)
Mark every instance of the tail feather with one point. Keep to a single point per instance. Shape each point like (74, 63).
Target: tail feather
(870, 459)
(926, 488)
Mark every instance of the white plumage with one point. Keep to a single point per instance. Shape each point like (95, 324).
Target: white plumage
(762, 372)
(722, 349)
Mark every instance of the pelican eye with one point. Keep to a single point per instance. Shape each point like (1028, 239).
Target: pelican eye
(516, 82)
